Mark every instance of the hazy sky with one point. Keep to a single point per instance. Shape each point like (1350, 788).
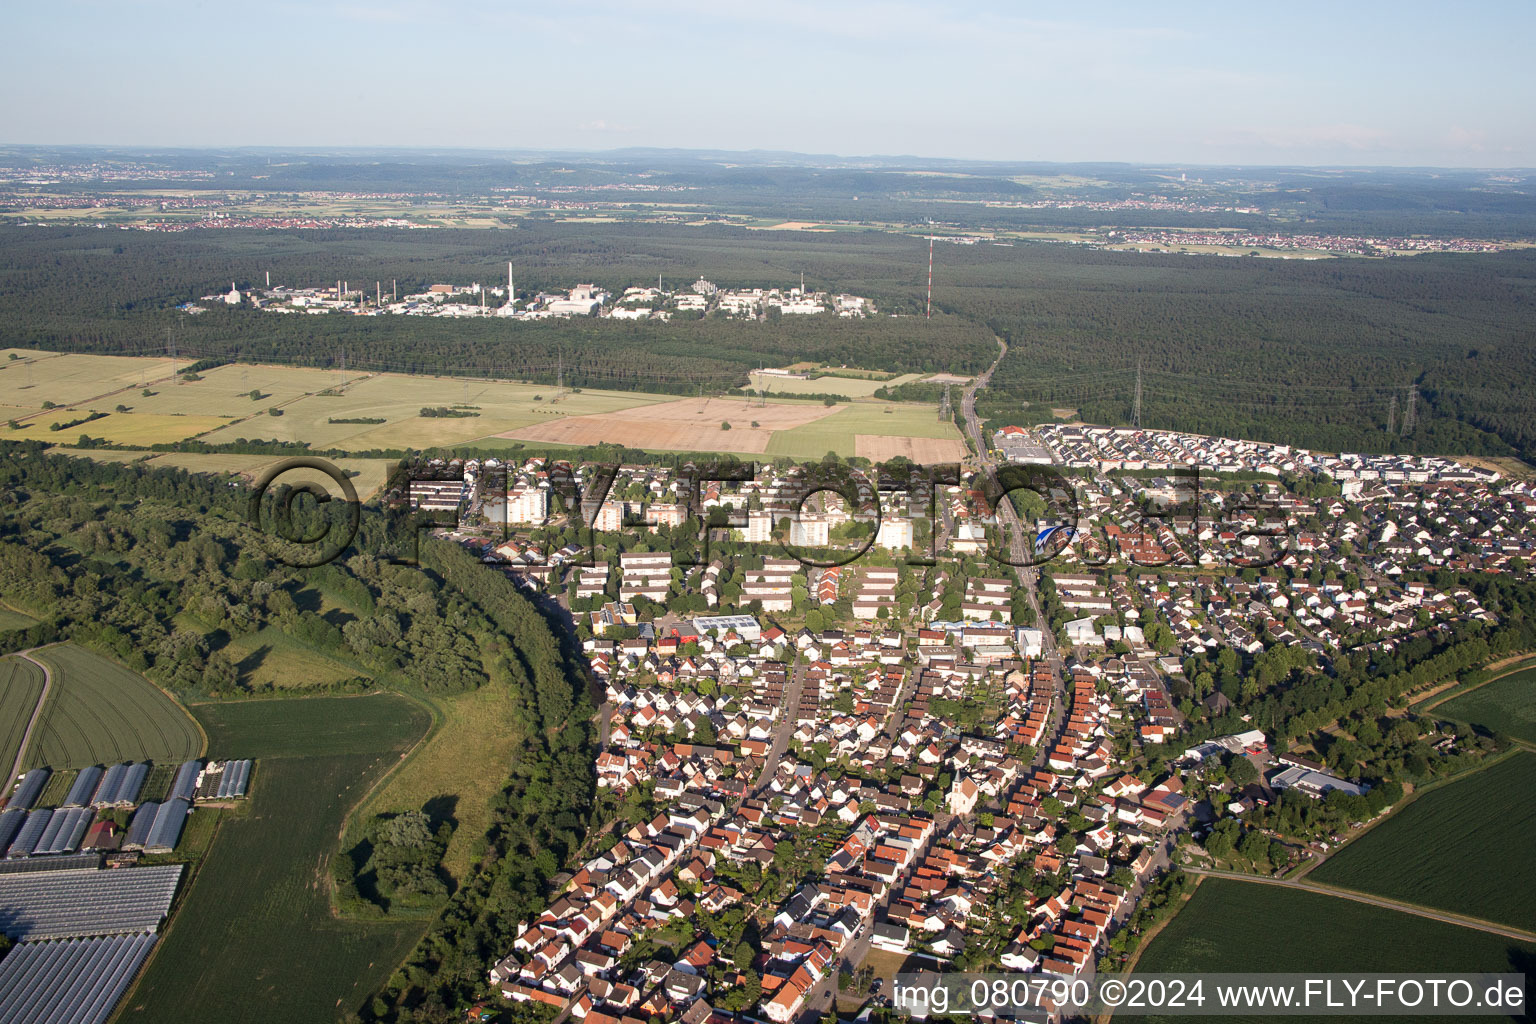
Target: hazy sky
(1338, 82)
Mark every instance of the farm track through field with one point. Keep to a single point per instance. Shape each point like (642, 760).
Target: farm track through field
(1445, 917)
(37, 710)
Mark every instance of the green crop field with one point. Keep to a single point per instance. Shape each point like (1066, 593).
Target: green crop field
(21, 684)
(1464, 847)
(99, 712)
(10, 619)
(1244, 926)
(851, 386)
(839, 431)
(1506, 705)
(254, 939)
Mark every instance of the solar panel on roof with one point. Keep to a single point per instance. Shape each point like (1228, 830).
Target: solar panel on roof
(31, 788)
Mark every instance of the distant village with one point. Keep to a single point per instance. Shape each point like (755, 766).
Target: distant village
(638, 302)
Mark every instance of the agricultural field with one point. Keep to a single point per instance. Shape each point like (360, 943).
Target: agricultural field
(219, 408)
(10, 619)
(880, 427)
(689, 424)
(399, 399)
(99, 712)
(851, 386)
(1506, 705)
(67, 379)
(114, 427)
(1463, 847)
(99, 455)
(477, 728)
(21, 685)
(254, 939)
(1243, 926)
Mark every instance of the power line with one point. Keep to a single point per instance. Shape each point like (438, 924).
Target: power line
(1136, 402)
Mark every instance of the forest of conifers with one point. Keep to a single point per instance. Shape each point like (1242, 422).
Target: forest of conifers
(1304, 352)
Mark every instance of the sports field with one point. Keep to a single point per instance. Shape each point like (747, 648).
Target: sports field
(1241, 926)
(21, 684)
(99, 712)
(1506, 705)
(1464, 847)
(254, 939)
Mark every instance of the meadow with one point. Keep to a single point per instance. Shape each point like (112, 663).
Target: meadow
(21, 684)
(1463, 847)
(270, 657)
(99, 712)
(255, 939)
(1230, 926)
(478, 728)
(1506, 705)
